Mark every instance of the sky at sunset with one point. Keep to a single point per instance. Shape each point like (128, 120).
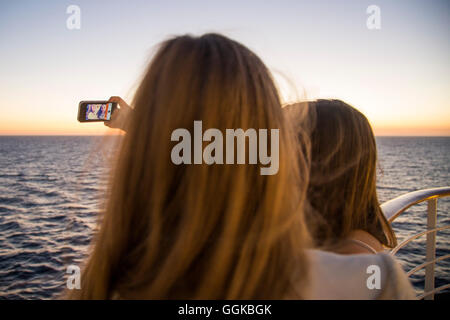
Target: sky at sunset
(398, 76)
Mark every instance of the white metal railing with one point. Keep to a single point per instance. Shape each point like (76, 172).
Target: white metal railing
(393, 208)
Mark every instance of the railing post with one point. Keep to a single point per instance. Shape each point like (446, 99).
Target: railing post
(431, 247)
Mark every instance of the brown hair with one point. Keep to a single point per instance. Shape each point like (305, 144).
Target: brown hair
(200, 231)
(342, 189)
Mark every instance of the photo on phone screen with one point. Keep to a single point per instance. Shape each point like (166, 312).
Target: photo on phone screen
(90, 111)
(98, 111)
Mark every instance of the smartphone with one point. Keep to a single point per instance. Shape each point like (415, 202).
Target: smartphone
(94, 111)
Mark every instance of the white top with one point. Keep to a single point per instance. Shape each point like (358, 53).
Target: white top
(348, 277)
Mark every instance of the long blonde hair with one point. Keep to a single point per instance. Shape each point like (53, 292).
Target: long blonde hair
(200, 231)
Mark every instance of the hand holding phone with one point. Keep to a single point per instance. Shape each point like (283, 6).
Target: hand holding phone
(106, 111)
(120, 114)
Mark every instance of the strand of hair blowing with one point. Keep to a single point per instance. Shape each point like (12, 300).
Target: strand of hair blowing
(201, 231)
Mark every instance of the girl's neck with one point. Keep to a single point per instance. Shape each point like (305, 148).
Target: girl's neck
(352, 243)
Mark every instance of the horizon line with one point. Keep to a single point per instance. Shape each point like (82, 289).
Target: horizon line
(119, 134)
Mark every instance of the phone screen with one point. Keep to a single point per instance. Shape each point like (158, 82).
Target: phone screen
(98, 111)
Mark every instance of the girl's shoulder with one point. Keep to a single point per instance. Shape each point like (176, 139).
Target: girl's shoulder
(359, 276)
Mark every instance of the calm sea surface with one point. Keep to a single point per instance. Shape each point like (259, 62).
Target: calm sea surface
(50, 191)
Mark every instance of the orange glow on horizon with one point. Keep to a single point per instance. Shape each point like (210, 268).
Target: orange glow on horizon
(402, 131)
(64, 129)
(98, 129)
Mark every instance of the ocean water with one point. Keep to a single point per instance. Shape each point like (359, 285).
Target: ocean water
(412, 163)
(50, 194)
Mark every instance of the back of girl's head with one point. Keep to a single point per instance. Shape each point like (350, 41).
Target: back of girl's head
(198, 230)
(342, 189)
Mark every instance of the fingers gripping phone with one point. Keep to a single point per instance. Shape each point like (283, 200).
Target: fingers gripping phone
(95, 111)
